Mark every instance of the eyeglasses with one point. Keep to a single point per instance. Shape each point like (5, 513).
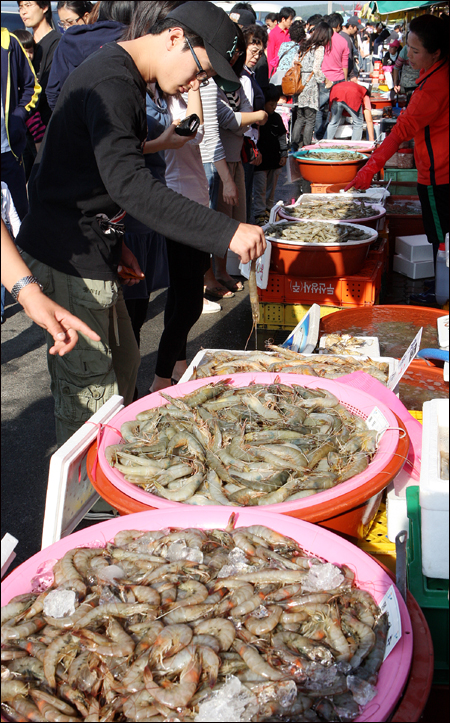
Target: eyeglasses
(202, 76)
(64, 24)
(24, 6)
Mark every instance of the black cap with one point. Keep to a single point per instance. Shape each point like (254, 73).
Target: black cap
(219, 35)
(354, 20)
(244, 18)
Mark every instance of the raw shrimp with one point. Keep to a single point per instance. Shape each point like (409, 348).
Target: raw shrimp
(177, 695)
(221, 628)
(364, 635)
(256, 662)
(261, 625)
(169, 641)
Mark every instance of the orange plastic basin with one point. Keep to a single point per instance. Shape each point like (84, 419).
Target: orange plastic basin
(340, 172)
(351, 514)
(316, 262)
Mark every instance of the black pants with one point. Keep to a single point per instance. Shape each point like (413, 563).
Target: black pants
(304, 125)
(435, 203)
(137, 309)
(187, 267)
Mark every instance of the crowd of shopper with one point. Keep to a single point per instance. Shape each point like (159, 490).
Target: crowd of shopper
(121, 201)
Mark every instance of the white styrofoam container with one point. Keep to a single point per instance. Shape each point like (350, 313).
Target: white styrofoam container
(344, 131)
(433, 494)
(390, 361)
(414, 248)
(413, 269)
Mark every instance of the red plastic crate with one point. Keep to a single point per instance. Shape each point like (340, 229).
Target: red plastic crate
(379, 251)
(275, 289)
(327, 187)
(359, 290)
(363, 289)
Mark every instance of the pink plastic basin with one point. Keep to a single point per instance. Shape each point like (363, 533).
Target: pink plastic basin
(369, 575)
(356, 401)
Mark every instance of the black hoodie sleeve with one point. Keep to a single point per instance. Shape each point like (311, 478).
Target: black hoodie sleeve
(116, 144)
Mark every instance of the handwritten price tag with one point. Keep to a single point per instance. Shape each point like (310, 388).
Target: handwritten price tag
(406, 360)
(389, 605)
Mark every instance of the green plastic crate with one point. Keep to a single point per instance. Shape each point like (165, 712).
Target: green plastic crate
(401, 174)
(430, 593)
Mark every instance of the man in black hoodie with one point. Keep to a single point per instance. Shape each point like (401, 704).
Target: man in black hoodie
(90, 171)
(80, 41)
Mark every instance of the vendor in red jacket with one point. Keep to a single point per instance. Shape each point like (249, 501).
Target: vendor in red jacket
(426, 120)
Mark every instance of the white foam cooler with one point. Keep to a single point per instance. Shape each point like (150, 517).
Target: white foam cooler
(414, 248)
(413, 269)
(434, 489)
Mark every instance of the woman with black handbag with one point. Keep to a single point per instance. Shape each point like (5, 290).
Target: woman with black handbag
(311, 53)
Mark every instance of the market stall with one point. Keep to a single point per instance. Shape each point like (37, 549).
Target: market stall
(281, 544)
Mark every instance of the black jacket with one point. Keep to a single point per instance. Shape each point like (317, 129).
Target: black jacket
(272, 143)
(91, 163)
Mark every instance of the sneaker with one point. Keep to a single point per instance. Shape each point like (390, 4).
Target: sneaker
(426, 297)
(210, 307)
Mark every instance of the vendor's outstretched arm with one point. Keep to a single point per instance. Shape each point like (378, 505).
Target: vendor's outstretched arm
(364, 177)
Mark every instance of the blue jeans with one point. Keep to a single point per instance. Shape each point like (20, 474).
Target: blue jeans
(213, 178)
(3, 299)
(336, 114)
(320, 128)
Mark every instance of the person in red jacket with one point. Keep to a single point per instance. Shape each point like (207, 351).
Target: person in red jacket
(426, 120)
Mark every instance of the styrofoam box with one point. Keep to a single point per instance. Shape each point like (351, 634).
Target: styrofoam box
(390, 361)
(344, 131)
(414, 248)
(413, 269)
(434, 490)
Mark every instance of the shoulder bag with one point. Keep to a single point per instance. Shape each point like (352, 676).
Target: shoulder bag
(292, 79)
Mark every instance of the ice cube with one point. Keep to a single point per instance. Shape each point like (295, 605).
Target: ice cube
(237, 562)
(180, 551)
(59, 603)
(322, 577)
(232, 702)
(363, 692)
(110, 573)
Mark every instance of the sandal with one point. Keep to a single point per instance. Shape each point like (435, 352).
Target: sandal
(218, 292)
(232, 285)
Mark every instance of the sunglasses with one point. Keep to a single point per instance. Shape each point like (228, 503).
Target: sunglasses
(202, 76)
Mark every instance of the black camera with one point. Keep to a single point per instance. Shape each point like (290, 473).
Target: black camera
(188, 126)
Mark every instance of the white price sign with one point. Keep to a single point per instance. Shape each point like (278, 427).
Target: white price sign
(406, 360)
(376, 420)
(389, 605)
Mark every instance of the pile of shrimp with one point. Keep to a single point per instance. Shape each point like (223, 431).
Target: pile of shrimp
(154, 634)
(256, 445)
(333, 209)
(316, 233)
(281, 360)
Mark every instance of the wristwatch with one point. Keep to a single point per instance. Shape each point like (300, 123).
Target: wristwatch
(24, 281)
